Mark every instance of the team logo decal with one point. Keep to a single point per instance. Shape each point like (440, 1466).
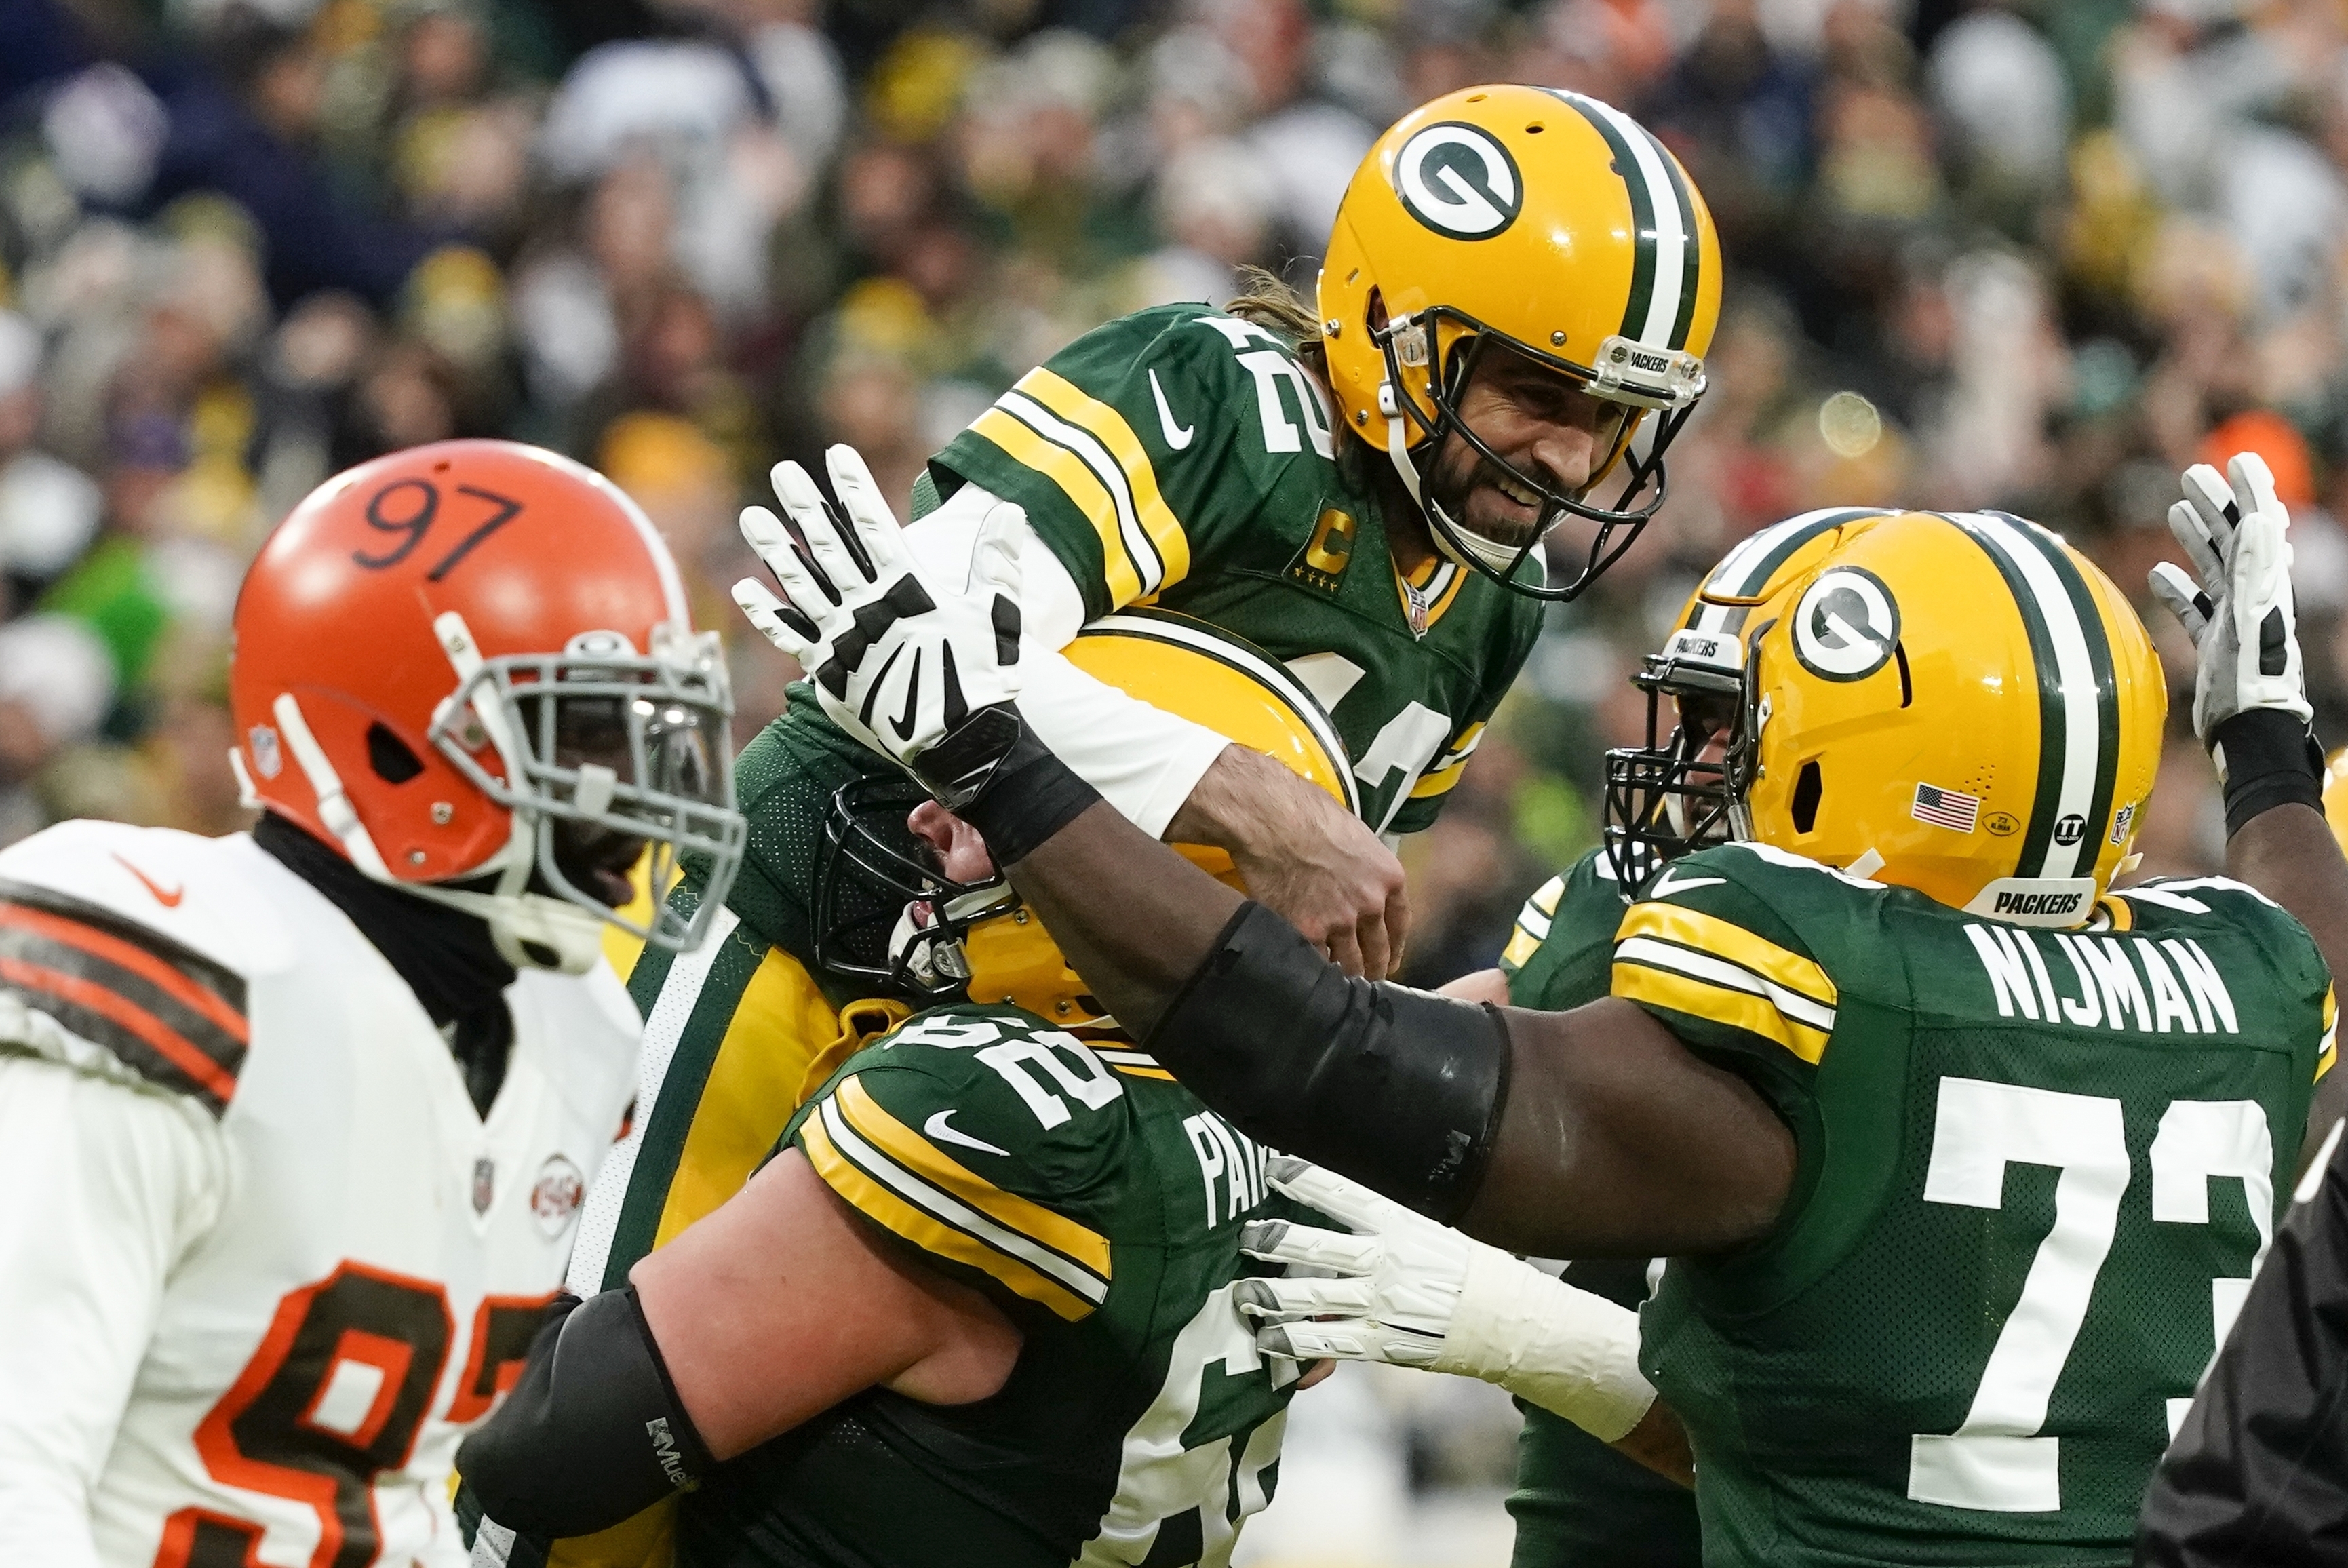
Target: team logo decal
(2122, 823)
(554, 1197)
(1846, 625)
(1457, 180)
(2070, 828)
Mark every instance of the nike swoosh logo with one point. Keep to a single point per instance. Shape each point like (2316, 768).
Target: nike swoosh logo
(936, 1128)
(1665, 885)
(167, 900)
(1176, 436)
(903, 723)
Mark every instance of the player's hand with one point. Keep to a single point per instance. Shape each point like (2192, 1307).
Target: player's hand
(1411, 1293)
(1396, 1280)
(1304, 856)
(2240, 614)
(926, 678)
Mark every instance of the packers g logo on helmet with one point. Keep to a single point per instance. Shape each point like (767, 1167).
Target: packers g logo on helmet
(1456, 178)
(1847, 624)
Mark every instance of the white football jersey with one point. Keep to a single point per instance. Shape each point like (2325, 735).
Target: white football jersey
(261, 1262)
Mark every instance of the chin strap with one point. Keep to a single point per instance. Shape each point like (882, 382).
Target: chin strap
(1450, 538)
(517, 920)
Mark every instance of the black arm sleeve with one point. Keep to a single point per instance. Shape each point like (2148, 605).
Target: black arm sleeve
(2259, 1474)
(1399, 1090)
(593, 1434)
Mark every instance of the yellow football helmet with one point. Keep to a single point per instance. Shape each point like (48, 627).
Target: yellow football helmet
(1957, 703)
(946, 940)
(1545, 223)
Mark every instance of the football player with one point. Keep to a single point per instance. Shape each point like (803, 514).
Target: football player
(1962, 1161)
(299, 1121)
(980, 1306)
(1518, 282)
(1575, 1502)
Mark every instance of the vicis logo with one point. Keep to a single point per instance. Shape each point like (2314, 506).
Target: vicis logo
(555, 1196)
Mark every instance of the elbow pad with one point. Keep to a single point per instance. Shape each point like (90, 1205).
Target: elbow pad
(1399, 1090)
(593, 1434)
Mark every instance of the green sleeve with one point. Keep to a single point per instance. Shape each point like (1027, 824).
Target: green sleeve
(982, 1141)
(1712, 949)
(1512, 644)
(1144, 449)
(1561, 954)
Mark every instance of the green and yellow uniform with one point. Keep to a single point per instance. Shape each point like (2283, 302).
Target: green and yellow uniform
(1099, 1204)
(1577, 1502)
(2035, 1171)
(1230, 508)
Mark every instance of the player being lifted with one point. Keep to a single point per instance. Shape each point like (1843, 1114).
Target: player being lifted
(299, 1121)
(1519, 282)
(1947, 1143)
(980, 1308)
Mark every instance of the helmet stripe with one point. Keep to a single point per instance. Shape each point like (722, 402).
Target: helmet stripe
(1268, 672)
(1664, 271)
(1745, 570)
(2078, 699)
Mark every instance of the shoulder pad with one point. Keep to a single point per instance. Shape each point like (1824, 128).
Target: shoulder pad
(978, 1138)
(129, 941)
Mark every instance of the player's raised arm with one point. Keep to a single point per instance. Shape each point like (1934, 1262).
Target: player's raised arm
(2250, 709)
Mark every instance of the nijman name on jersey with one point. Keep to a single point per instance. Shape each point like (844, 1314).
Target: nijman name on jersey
(2161, 986)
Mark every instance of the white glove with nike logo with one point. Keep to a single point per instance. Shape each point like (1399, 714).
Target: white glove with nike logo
(2240, 616)
(902, 669)
(1411, 1293)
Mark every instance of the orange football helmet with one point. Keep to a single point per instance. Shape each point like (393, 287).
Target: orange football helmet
(444, 654)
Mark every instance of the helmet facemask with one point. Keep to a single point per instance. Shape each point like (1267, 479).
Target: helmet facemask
(1630, 379)
(885, 909)
(1687, 788)
(605, 752)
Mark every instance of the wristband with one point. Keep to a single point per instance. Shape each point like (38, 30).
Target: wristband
(1573, 1354)
(995, 774)
(2266, 757)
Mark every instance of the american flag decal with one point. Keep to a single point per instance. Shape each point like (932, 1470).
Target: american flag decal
(1945, 807)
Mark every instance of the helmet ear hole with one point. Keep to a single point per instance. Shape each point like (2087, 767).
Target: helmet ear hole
(389, 756)
(1808, 787)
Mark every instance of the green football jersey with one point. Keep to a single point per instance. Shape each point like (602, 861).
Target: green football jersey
(2035, 1173)
(1097, 1202)
(1578, 1504)
(1183, 458)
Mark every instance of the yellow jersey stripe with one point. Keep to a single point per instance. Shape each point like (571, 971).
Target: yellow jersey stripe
(1546, 896)
(1439, 779)
(2115, 908)
(1724, 939)
(2329, 1052)
(917, 1154)
(1520, 947)
(891, 1212)
(1080, 485)
(1158, 1073)
(781, 1023)
(1106, 426)
(1720, 1003)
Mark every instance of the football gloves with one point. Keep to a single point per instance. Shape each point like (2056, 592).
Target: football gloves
(2240, 614)
(1406, 1291)
(917, 674)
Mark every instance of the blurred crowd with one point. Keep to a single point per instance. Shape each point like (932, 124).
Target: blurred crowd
(2035, 255)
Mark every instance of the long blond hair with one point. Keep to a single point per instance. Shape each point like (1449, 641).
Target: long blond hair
(1265, 299)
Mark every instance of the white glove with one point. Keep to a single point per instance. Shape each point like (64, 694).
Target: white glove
(899, 667)
(1411, 1293)
(2244, 627)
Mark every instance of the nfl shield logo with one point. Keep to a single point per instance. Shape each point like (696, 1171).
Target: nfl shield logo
(485, 1184)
